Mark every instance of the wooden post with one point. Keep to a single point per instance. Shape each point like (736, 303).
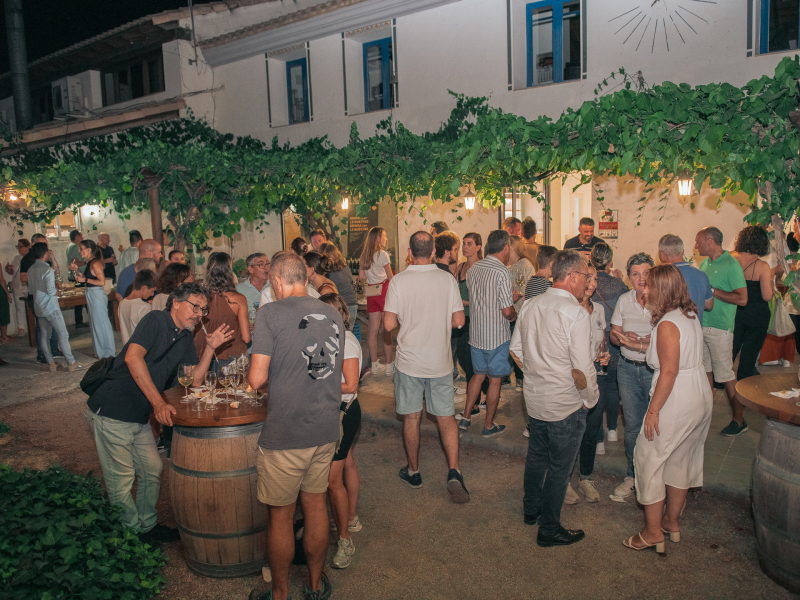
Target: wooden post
(155, 213)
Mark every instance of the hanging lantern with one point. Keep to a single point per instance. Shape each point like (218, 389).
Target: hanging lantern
(469, 201)
(345, 203)
(685, 185)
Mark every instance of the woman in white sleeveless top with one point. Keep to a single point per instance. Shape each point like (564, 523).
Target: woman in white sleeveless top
(668, 457)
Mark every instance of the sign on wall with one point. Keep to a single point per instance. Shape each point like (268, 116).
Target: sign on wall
(358, 228)
(608, 228)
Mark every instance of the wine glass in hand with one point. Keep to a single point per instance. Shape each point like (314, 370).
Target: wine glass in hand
(603, 355)
(185, 378)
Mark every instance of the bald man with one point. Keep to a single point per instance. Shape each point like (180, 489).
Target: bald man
(147, 249)
(109, 258)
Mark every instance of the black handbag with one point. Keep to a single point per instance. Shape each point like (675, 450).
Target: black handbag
(100, 371)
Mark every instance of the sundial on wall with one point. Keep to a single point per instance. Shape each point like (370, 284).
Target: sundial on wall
(655, 25)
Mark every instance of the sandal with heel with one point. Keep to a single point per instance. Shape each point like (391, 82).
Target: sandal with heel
(674, 536)
(658, 546)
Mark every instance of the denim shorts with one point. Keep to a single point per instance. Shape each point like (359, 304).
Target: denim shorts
(438, 391)
(493, 363)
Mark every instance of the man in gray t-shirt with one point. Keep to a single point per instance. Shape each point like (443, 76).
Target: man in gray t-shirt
(298, 349)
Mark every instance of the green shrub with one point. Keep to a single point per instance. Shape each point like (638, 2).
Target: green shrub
(61, 538)
(4, 428)
(240, 268)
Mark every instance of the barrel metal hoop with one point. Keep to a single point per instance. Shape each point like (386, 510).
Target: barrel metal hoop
(214, 433)
(760, 522)
(225, 571)
(222, 536)
(768, 467)
(213, 474)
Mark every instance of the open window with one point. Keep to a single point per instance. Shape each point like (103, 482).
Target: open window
(553, 41)
(63, 224)
(378, 92)
(297, 84)
(289, 86)
(779, 25)
(370, 68)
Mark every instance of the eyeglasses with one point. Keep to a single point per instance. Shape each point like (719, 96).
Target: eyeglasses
(198, 309)
(261, 265)
(587, 275)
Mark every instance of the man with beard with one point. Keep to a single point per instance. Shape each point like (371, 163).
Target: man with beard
(119, 410)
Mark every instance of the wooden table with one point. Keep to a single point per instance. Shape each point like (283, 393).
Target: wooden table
(71, 301)
(776, 476)
(214, 487)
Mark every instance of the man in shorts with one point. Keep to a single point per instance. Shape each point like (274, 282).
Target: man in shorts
(728, 290)
(425, 303)
(298, 348)
(491, 307)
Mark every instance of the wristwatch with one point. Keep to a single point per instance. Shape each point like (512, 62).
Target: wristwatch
(712, 291)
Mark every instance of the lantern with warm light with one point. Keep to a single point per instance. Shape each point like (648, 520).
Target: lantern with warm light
(345, 203)
(685, 185)
(469, 201)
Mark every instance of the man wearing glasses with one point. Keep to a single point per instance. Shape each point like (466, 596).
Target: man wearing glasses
(118, 411)
(552, 341)
(258, 268)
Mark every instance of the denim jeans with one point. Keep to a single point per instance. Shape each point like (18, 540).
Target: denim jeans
(634, 392)
(48, 325)
(464, 355)
(594, 423)
(53, 335)
(552, 449)
(128, 451)
(609, 394)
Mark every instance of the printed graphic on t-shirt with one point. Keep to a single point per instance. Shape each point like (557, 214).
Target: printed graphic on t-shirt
(320, 345)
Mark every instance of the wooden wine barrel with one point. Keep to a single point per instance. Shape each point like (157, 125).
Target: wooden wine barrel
(776, 503)
(213, 482)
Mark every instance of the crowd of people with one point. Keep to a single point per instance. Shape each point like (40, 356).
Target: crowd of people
(578, 341)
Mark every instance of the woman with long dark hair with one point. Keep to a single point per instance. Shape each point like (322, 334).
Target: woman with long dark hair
(670, 444)
(335, 265)
(317, 274)
(375, 270)
(175, 275)
(96, 298)
(226, 306)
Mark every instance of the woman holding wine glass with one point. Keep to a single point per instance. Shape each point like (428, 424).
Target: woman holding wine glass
(594, 418)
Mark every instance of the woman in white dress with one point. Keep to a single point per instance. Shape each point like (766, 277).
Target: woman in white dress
(669, 450)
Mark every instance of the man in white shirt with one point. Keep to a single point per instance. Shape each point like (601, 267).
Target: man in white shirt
(425, 303)
(552, 341)
(133, 308)
(130, 255)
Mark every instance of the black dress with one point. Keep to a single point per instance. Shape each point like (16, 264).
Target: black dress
(750, 328)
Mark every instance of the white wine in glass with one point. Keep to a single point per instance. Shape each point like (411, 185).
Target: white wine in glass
(185, 378)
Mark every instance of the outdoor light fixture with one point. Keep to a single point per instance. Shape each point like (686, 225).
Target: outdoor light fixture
(345, 203)
(12, 197)
(469, 201)
(685, 185)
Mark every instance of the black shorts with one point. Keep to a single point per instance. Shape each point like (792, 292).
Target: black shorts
(350, 424)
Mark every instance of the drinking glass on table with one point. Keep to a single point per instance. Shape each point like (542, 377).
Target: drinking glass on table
(211, 384)
(235, 378)
(225, 380)
(185, 378)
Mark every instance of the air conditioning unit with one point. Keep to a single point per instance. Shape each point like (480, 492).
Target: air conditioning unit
(74, 95)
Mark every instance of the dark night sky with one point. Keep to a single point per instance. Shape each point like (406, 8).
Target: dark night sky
(51, 25)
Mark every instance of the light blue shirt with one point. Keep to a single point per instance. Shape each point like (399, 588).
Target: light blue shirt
(42, 286)
(249, 291)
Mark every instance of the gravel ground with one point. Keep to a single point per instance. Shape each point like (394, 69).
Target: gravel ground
(416, 544)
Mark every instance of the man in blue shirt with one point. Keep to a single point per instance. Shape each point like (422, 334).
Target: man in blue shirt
(670, 252)
(147, 249)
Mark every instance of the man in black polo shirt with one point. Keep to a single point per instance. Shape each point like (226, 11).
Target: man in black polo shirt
(585, 240)
(119, 410)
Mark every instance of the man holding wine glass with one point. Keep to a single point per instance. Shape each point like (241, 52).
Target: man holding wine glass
(118, 412)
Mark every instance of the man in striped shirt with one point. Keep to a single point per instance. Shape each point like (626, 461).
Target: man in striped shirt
(491, 304)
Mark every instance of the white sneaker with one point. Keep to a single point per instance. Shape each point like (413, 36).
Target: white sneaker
(571, 496)
(459, 391)
(625, 488)
(527, 432)
(772, 363)
(601, 448)
(785, 363)
(377, 367)
(355, 525)
(389, 369)
(344, 554)
(612, 435)
(586, 486)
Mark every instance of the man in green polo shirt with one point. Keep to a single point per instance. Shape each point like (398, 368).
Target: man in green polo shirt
(729, 289)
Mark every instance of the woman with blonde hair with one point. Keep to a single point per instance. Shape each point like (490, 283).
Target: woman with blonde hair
(669, 448)
(375, 270)
(343, 480)
(226, 306)
(336, 267)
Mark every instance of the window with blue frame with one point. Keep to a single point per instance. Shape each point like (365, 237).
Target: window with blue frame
(554, 41)
(378, 91)
(297, 85)
(780, 25)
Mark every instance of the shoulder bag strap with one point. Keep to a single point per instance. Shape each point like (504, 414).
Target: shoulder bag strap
(603, 300)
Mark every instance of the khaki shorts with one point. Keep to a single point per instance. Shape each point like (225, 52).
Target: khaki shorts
(283, 474)
(718, 353)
